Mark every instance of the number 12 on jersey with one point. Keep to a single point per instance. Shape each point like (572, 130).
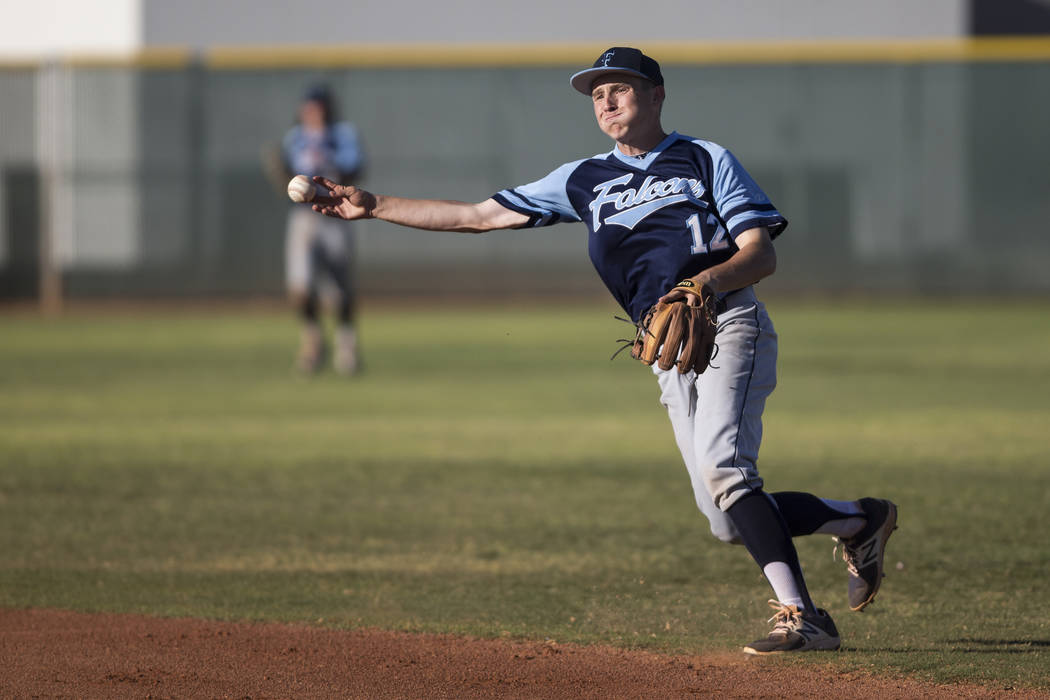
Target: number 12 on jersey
(718, 240)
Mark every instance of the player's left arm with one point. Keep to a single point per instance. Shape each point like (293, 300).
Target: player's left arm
(754, 260)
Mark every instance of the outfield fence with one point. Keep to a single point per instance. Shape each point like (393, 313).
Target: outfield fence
(910, 166)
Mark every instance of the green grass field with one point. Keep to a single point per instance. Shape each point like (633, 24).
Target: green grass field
(475, 481)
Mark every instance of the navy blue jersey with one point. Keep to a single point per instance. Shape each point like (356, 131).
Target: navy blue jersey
(654, 219)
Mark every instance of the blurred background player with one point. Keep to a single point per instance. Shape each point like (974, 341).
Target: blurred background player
(319, 250)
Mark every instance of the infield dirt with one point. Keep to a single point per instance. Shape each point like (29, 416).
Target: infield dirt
(52, 653)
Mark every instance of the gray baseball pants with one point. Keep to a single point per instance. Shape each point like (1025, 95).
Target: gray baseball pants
(717, 415)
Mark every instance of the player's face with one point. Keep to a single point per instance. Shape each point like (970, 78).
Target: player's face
(311, 115)
(624, 104)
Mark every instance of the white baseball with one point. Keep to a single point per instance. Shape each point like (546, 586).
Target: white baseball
(300, 189)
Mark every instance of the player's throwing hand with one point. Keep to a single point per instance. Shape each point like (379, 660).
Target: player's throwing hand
(343, 201)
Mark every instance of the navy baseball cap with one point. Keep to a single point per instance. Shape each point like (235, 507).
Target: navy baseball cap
(317, 93)
(618, 59)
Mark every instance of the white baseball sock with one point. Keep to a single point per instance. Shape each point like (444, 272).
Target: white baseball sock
(785, 588)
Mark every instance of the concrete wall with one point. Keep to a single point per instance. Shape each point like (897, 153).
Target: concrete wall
(204, 23)
(71, 27)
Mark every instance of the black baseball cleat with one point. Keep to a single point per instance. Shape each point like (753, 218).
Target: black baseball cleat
(796, 630)
(864, 552)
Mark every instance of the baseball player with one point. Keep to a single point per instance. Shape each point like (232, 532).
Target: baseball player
(676, 221)
(318, 250)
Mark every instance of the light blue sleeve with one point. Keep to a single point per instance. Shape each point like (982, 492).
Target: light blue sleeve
(545, 201)
(740, 201)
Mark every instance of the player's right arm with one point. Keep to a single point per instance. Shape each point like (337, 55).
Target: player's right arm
(352, 203)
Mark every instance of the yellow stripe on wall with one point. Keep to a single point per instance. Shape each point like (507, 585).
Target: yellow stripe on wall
(403, 56)
(986, 49)
(866, 51)
(667, 53)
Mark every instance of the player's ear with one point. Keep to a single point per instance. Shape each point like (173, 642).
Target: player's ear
(658, 95)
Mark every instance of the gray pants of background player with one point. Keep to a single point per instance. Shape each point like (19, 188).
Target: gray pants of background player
(717, 415)
(317, 252)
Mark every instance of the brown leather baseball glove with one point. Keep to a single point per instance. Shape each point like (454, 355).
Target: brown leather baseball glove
(677, 331)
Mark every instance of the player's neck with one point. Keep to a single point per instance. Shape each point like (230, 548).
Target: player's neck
(639, 145)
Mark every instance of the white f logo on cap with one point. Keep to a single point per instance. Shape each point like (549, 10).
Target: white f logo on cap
(607, 56)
